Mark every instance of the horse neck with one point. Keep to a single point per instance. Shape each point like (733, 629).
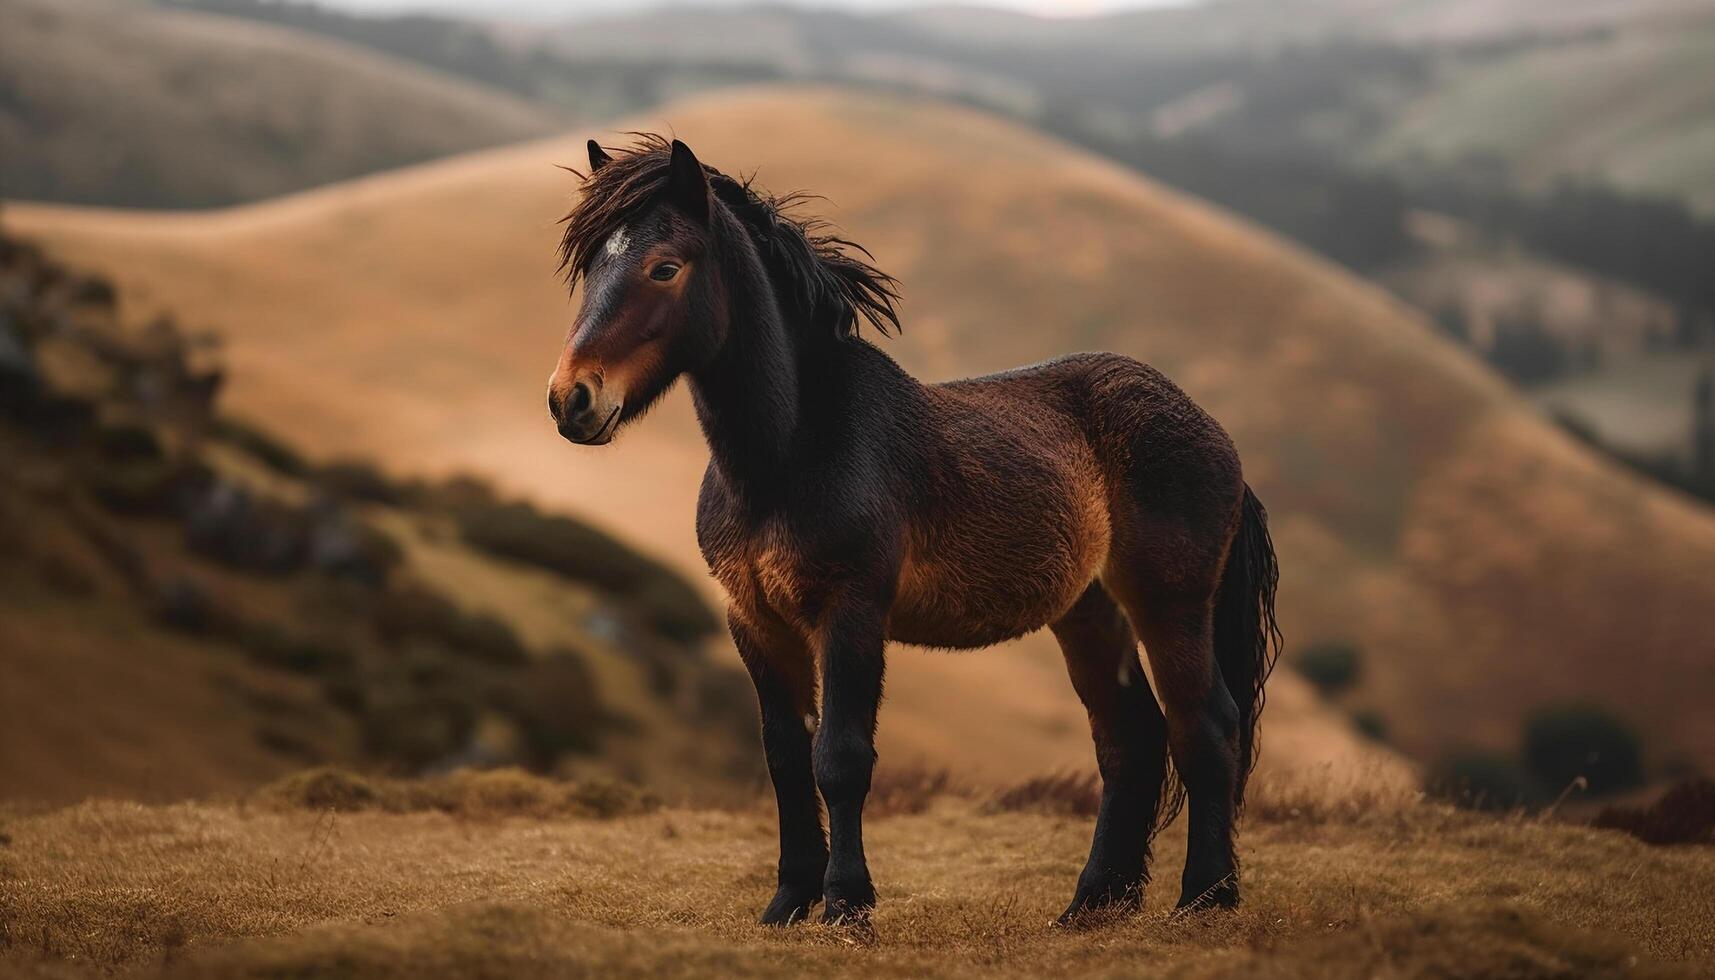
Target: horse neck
(751, 399)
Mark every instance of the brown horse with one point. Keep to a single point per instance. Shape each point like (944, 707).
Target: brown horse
(846, 504)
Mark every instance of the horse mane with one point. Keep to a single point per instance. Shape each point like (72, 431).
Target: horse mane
(819, 266)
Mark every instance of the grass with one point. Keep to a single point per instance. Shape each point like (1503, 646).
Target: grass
(1368, 888)
(461, 793)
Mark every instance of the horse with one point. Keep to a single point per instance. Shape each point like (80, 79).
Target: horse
(846, 505)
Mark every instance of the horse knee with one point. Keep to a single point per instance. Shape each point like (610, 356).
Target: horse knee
(843, 763)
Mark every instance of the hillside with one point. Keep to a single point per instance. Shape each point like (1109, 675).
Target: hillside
(1483, 563)
(1634, 107)
(122, 102)
(495, 877)
(188, 606)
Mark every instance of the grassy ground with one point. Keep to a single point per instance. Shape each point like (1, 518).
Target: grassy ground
(455, 880)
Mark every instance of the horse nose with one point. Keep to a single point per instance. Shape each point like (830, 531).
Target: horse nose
(574, 410)
(567, 404)
(579, 401)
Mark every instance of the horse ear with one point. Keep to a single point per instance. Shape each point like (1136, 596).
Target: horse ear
(598, 157)
(687, 185)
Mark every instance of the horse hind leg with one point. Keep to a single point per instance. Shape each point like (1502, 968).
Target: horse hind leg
(1131, 750)
(1202, 732)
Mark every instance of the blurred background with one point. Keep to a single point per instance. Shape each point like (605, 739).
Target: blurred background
(279, 296)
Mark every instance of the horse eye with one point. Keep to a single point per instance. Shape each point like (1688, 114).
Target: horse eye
(664, 271)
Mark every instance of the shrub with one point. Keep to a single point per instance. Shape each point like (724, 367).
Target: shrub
(1370, 724)
(1565, 742)
(272, 645)
(414, 613)
(1684, 815)
(351, 479)
(557, 707)
(416, 721)
(674, 608)
(1331, 667)
(519, 532)
(1480, 780)
(898, 790)
(1071, 793)
(265, 448)
(466, 793)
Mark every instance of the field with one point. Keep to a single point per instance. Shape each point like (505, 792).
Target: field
(122, 102)
(493, 878)
(1483, 563)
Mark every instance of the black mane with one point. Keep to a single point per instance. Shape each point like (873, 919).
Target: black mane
(799, 250)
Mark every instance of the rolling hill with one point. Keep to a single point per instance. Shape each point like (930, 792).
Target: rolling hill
(121, 101)
(1483, 563)
(1634, 107)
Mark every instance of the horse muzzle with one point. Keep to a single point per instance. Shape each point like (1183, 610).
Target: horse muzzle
(582, 415)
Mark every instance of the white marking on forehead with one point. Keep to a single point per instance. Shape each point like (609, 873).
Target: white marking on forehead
(618, 242)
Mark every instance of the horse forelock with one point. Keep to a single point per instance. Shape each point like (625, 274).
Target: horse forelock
(819, 266)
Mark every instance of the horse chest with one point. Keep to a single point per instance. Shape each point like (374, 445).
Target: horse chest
(765, 572)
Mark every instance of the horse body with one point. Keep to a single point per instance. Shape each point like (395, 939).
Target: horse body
(847, 505)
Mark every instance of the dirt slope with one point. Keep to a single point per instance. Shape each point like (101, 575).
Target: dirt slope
(123, 102)
(1482, 562)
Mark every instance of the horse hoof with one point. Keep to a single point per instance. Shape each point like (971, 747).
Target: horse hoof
(1223, 894)
(788, 908)
(1100, 907)
(852, 922)
(844, 912)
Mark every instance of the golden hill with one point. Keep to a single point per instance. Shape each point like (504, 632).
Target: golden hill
(1483, 563)
(501, 876)
(172, 108)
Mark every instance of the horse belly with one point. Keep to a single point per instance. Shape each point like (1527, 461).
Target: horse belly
(999, 574)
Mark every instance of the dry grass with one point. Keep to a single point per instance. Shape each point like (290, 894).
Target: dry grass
(1409, 889)
(461, 793)
(1074, 794)
(1327, 794)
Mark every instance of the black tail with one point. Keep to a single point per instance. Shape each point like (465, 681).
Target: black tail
(1247, 639)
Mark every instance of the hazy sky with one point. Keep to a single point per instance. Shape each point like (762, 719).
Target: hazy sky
(562, 9)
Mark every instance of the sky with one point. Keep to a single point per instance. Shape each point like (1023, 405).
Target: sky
(564, 9)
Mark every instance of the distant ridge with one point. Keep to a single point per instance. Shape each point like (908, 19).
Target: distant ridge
(106, 104)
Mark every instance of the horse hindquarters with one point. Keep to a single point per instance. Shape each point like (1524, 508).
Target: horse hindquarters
(1179, 507)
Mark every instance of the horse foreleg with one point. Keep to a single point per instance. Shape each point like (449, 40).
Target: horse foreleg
(1131, 750)
(784, 675)
(852, 641)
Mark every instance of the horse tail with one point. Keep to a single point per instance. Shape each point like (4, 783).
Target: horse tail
(1247, 639)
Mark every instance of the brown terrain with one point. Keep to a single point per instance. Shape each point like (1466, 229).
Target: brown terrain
(1483, 562)
(502, 875)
